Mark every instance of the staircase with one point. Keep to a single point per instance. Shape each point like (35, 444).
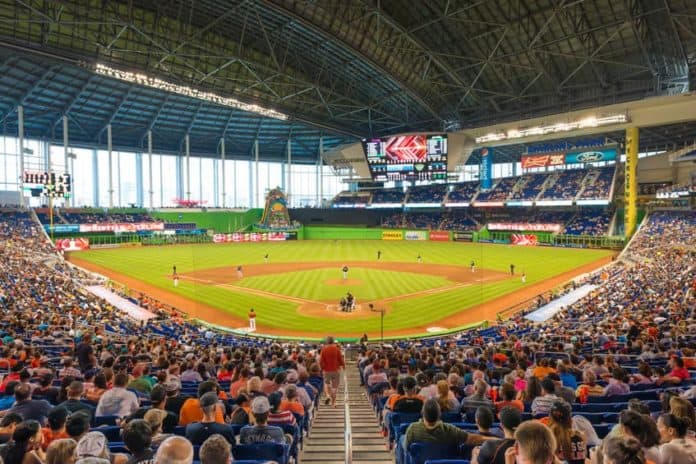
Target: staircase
(326, 444)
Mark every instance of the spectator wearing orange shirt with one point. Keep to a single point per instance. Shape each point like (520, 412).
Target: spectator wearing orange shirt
(191, 409)
(57, 418)
(292, 403)
(542, 369)
(240, 383)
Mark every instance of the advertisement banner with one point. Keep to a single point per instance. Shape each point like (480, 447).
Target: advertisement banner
(238, 237)
(415, 235)
(463, 236)
(590, 156)
(524, 239)
(63, 228)
(631, 181)
(392, 235)
(542, 161)
(121, 227)
(439, 236)
(525, 226)
(72, 244)
(486, 168)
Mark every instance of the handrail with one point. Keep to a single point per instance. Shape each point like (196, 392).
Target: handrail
(348, 434)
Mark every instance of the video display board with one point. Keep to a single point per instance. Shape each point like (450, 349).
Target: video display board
(407, 157)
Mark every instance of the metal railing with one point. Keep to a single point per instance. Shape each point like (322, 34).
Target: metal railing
(348, 434)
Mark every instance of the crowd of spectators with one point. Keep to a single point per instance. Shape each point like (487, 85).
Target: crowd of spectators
(589, 222)
(614, 372)
(463, 192)
(500, 191)
(352, 199)
(600, 188)
(99, 216)
(86, 382)
(388, 196)
(529, 187)
(434, 193)
(566, 186)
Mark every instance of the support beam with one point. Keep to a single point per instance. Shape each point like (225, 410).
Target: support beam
(20, 131)
(67, 108)
(222, 158)
(109, 147)
(289, 181)
(188, 167)
(152, 123)
(65, 152)
(114, 113)
(151, 191)
(321, 170)
(631, 182)
(256, 173)
(95, 178)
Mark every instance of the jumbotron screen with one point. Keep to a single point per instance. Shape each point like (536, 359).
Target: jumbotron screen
(407, 157)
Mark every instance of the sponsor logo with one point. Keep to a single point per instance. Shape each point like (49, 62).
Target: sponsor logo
(392, 235)
(439, 236)
(415, 235)
(590, 156)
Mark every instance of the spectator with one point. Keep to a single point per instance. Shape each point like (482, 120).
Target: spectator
(589, 386)
(175, 450)
(471, 403)
(155, 419)
(565, 393)
(677, 375)
(137, 436)
(25, 446)
(158, 398)
(261, 432)
(683, 409)
(216, 450)
(73, 403)
(8, 425)
(57, 419)
(619, 450)
(507, 395)
(277, 416)
(94, 392)
(292, 403)
(61, 451)
(191, 409)
(28, 408)
(617, 383)
(92, 449)
(198, 432)
(534, 444)
(484, 422)
(531, 391)
(676, 449)
(118, 401)
(331, 362)
(77, 425)
(431, 429)
(572, 447)
(493, 451)
(445, 398)
(174, 398)
(542, 404)
(142, 381)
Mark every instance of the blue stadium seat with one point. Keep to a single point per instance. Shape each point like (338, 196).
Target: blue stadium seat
(267, 451)
(419, 453)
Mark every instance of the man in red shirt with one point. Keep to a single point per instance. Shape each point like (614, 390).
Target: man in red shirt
(331, 362)
(678, 373)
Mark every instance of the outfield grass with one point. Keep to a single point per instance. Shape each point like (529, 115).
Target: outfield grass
(154, 264)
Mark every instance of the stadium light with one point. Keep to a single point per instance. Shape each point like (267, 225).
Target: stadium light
(159, 84)
(553, 128)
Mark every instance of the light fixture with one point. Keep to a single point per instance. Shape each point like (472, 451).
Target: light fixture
(159, 84)
(591, 121)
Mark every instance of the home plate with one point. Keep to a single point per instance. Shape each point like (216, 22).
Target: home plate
(435, 329)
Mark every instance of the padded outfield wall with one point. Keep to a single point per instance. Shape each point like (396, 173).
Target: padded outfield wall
(218, 221)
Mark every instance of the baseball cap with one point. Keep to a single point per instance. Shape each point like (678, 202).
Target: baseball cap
(260, 405)
(171, 386)
(510, 417)
(91, 445)
(208, 399)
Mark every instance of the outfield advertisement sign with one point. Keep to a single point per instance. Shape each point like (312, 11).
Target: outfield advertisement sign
(392, 235)
(524, 239)
(415, 235)
(439, 236)
(560, 158)
(250, 237)
(463, 236)
(72, 244)
(525, 226)
(486, 168)
(121, 227)
(542, 161)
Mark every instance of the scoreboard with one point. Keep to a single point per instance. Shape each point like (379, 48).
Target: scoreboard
(407, 157)
(50, 184)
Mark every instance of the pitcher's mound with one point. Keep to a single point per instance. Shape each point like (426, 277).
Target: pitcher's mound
(343, 282)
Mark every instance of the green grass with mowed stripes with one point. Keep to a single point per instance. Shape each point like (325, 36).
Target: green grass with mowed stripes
(154, 265)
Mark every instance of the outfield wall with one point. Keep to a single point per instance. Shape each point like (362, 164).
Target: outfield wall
(218, 221)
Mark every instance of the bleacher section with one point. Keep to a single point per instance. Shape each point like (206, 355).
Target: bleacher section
(427, 194)
(566, 186)
(598, 184)
(462, 192)
(528, 187)
(588, 222)
(500, 192)
(388, 196)
(94, 216)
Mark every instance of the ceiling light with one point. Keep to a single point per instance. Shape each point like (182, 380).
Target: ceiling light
(159, 84)
(591, 121)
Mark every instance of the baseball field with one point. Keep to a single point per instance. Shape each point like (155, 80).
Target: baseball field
(296, 290)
